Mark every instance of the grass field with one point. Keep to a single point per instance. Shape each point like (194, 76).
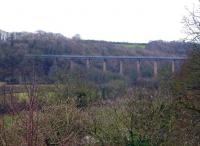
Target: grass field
(133, 46)
(8, 120)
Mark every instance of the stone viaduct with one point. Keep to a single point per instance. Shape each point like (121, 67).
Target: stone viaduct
(121, 59)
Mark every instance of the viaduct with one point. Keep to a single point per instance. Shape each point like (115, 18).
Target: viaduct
(121, 59)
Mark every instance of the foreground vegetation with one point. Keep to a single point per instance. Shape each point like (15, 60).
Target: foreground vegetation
(141, 117)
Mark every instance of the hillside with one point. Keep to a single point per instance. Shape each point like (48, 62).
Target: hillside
(14, 46)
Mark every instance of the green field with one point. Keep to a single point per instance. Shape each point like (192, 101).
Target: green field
(133, 46)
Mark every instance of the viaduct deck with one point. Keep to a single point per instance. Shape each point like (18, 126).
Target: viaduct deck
(82, 57)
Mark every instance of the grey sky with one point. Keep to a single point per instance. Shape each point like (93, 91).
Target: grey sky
(113, 20)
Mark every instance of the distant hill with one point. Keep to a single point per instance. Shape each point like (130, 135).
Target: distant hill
(14, 46)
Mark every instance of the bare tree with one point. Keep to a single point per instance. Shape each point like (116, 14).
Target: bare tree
(31, 118)
(192, 24)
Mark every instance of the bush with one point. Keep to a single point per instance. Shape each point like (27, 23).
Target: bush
(189, 77)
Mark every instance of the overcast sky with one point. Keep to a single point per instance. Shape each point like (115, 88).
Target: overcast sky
(112, 20)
